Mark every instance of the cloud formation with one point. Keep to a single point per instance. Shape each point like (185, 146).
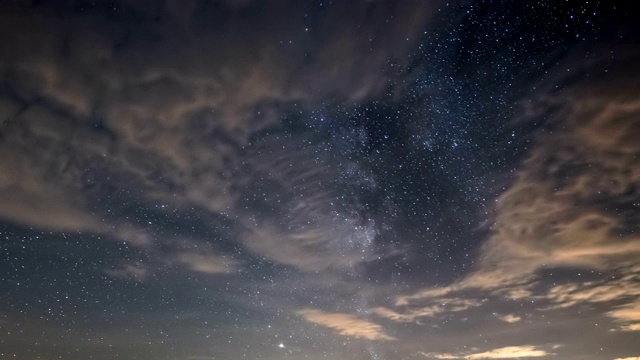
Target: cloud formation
(293, 214)
(571, 204)
(510, 318)
(135, 271)
(628, 315)
(625, 285)
(427, 308)
(206, 262)
(345, 324)
(105, 116)
(509, 352)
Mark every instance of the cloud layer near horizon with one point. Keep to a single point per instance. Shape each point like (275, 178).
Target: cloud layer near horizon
(345, 324)
(510, 352)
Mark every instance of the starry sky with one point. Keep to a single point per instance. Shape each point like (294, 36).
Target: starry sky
(309, 180)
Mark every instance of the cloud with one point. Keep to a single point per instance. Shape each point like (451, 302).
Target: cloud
(559, 211)
(340, 243)
(131, 235)
(345, 324)
(30, 199)
(628, 315)
(509, 352)
(517, 292)
(624, 286)
(571, 204)
(631, 327)
(511, 318)
(623, 290)
(105, 116)
(292, 212)
(433, 307)
(206, 262)
(135, 271)
(184, 253)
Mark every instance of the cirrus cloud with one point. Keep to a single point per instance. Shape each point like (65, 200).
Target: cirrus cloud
(345, 324)
(509, 352)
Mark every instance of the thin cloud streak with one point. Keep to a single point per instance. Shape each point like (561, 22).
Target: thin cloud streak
(509, 352)
(345, 324)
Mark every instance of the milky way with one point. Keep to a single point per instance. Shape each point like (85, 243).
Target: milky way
(319, 180)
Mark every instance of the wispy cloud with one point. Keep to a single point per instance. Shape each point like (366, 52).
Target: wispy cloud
(429, 308)
(509, 352)
(623, 290)
(628, 315)
(345, 324)
(135, 271)
(557, 211)
(510, 318)
(206, 262)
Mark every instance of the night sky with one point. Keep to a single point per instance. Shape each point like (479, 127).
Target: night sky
(366, 180)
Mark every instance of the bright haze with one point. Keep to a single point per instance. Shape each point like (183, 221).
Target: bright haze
(339, 180)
